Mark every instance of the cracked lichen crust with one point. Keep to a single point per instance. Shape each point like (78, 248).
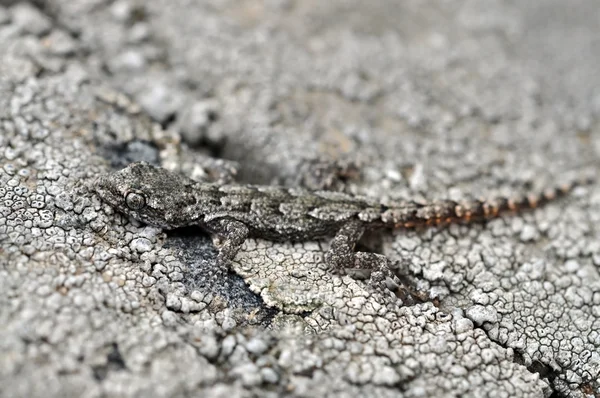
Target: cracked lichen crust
(406, 347)
(93, 303)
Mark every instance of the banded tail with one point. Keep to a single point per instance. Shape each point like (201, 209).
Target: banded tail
(447, 211)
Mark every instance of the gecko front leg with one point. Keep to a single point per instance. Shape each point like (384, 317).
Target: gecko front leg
(234, 233)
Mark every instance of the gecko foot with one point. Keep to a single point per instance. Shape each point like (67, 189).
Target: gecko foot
(325, 174)
(342, 258)
(233, 233)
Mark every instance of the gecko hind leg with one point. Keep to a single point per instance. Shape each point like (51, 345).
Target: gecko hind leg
(341, 255)
(234, 233)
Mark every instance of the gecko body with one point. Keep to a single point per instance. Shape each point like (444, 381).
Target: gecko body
(168, 200)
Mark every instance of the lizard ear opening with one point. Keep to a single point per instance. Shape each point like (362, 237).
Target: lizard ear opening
(135, 200)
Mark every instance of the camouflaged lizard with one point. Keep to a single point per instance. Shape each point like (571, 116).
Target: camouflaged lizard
(168, 200)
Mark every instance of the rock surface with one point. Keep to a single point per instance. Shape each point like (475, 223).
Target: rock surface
(430, 99)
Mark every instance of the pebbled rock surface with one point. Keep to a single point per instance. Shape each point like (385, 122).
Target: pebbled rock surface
(431, 99)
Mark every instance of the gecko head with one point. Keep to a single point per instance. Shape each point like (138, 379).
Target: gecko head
(149, 194)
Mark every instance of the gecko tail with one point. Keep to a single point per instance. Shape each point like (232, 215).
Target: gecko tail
(448, 211)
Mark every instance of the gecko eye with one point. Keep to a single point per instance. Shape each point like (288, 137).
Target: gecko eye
(135, 201)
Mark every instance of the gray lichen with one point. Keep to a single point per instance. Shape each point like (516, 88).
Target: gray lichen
(95, 304)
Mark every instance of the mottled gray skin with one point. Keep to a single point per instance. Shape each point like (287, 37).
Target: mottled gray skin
(274, 213)
(158, 197)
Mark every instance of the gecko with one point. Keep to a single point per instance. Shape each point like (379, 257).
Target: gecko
(168, 200)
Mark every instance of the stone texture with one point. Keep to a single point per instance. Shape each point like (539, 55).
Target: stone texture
(431, 99)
